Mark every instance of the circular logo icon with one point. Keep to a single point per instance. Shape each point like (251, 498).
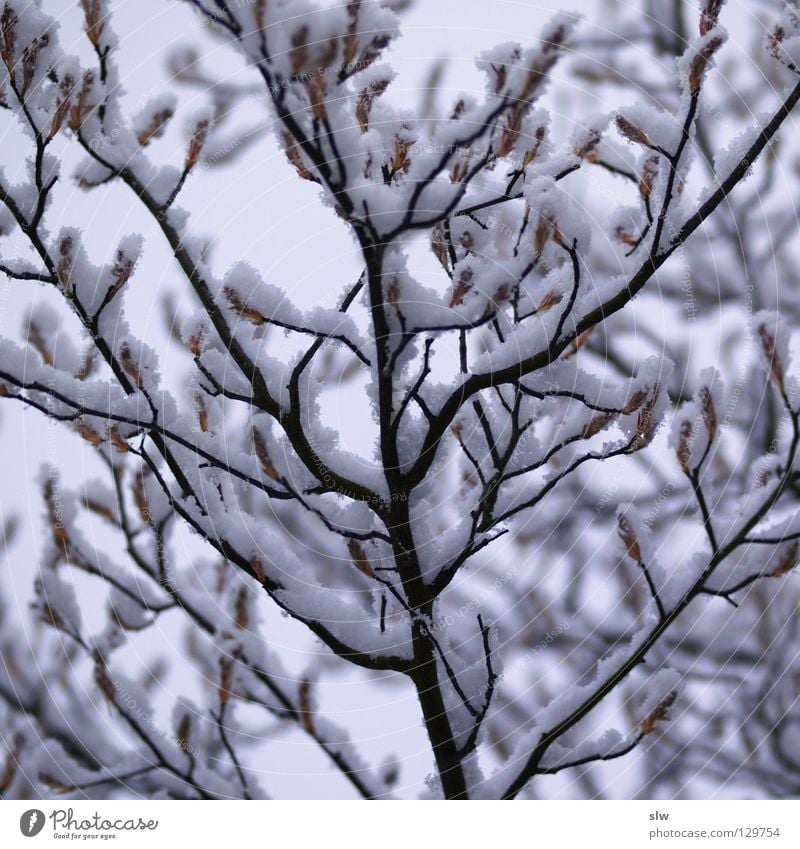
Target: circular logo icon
(31, 822)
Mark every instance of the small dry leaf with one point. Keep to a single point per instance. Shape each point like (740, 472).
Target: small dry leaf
(54, 512)
(130, 367)
(202, 411)
(140, 496)
(631, 132)
(183, 731)
(787, 561)
(241, 609)
(708, 412)
(635, 401)
(684, 447)
(37, 341)
(263, 455)
(55, 784)
(103, 679)
(293, 155)
(701, 62)
(628, 537)
(225, 689)
(649, 174)
(439, 246)
(103, 510)
(89, 434)
(550, 300)
(197, 143)
(776, 371)
(258, 570)
(462, 287)
(659, 714)
(95, 24)
(155, 126)
(360, 559)
(238, 304)
(117, 441)
(304, 705)
(596, 424)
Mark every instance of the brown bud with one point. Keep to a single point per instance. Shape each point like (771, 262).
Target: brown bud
(596, 424)
(787, 560)
(646, 422)
(8, 38)
(550, 300)
(659, 714)
(57, 785)
(624, 235)
(774, 363)
(710, 15)
(197, 341)
(293, 155)
(631, 132)
(684, 448)
(103, 679)
(202, 411)
(316, 88)
(400, 159)
(542, 234)
(708, 412)
(155, 126)
(94, 21)
(500, 296)
(298, 55)
(105, 511)
(649, 173)
(196, 143)
(130, 367)
(628, 537)
(262, 453)
(700, 63)
(183, 731)
(63, 104)
(635, 401)
(140, 497)
(225, 689)
(89, 434)
(365, 100)
(393, 292)
(589, 145)
(30, 60)
(54, 512)
(117, 441)
(66, 250)
(775, 43)
(81, 105)
(439, 246)
(241, 609)
(121, 272)
(244, 310)
(258, 570)
(37, 341)
(360, 559)
(462, 287)
(305, 706)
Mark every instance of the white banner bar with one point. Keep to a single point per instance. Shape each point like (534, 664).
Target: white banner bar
(394, 825)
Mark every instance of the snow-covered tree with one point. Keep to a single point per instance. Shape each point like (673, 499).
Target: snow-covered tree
(570, 350)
